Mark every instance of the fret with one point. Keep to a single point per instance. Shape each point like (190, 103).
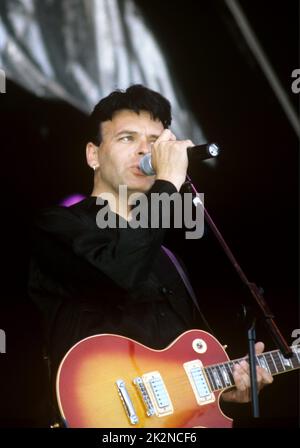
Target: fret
(211, 379)
(279, 363)
(287, 364)
(215, 373)
(231, 365)
(294, 360)
(258, 362)
(262, 362)
(273, 357)
(229, 370)
(270, 362)
(225, 375)
(296, 350)
(220, 375)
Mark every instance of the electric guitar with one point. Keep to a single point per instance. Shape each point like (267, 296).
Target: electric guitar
(109, 381)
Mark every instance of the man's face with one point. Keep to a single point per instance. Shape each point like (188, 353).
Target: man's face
(125, 140)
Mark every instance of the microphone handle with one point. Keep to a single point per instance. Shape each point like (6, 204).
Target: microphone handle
(197, 153)
(203, 152)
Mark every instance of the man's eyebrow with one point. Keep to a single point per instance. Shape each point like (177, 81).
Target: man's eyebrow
(125, 131)
(128, 131)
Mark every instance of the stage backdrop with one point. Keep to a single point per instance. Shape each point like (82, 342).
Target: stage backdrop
(80, 50)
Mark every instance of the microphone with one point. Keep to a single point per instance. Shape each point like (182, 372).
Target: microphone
(197, 153)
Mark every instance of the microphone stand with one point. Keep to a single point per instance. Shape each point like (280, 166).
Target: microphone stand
(257, 294)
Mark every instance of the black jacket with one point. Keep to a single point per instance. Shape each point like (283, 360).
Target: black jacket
(89, 281)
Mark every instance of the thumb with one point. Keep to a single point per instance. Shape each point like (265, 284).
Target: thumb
(259, 348)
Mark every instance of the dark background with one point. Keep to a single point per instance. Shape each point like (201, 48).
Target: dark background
(252, 194)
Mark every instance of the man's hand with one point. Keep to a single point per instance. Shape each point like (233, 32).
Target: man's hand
(242, 392)
(169, 158)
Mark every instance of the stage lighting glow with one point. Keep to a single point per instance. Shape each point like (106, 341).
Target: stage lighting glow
(72, 199)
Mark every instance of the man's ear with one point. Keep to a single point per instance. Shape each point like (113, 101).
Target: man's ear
(92, 155)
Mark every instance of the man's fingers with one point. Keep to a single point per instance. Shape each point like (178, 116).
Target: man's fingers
(241, 377)
(259, 347)
(189, 143)
(166, 136)
(263, 376)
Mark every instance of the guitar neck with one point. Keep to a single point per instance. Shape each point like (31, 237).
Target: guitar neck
(220, 375)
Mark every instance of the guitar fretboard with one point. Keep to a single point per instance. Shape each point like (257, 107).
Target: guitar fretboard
(220, 375)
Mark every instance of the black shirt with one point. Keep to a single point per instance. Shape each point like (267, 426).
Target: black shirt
(88, 280)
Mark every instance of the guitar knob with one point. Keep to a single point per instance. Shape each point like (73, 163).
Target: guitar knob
(199, 346)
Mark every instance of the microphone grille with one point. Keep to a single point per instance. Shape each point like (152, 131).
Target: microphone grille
(146, 165)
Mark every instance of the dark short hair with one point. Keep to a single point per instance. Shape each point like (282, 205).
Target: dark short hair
(136, 98)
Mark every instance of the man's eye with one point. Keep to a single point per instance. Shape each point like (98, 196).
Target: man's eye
(126, 138)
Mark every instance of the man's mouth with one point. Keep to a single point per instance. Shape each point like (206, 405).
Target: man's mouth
(137, 171)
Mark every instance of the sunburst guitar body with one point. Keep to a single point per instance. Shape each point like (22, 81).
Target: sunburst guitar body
(110, 381)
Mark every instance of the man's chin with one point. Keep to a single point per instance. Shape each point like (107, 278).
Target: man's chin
(140, 187)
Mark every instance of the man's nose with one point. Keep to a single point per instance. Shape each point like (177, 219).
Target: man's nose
(144, 147)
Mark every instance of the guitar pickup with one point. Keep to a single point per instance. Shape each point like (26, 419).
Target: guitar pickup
(158, 394)
(199, 382)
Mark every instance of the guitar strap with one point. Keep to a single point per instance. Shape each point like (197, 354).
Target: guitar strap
(188, 285)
